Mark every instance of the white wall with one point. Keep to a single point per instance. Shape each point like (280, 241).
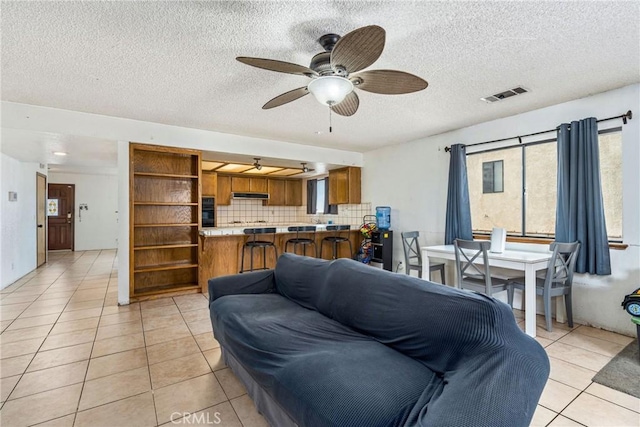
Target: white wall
(96, 228)
(18, 221)
(414, 184)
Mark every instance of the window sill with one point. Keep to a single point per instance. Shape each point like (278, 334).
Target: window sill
(541, 240)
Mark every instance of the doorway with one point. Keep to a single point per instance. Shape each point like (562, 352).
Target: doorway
(41, 217)
(60, 216)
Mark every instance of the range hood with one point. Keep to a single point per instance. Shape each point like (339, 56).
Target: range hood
(252, 196)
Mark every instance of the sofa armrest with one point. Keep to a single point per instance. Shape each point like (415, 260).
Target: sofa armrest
(255, 282)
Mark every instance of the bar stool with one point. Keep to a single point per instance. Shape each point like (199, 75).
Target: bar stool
(304, 241)
(253, 243)
(336, 239)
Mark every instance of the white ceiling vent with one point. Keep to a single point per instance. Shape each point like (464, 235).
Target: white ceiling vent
(506, 94)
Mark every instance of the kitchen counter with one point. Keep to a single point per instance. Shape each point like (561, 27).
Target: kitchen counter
(232, 229)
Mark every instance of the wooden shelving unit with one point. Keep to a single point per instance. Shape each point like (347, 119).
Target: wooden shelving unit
(165, 218)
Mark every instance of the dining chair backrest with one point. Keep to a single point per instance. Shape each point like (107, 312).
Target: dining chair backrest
(412, 255)
(468, 254)
(561, 265)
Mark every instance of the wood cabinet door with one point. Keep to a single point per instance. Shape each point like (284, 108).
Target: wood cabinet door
(240, 184)
(224, 190)
(209, 184)
(258, 185)
(338, 187)
(277, 192)
(293, 193)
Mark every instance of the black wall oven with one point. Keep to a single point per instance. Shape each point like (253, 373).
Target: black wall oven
(208, 212)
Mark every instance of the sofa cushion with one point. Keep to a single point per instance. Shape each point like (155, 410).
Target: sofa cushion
(321, 372)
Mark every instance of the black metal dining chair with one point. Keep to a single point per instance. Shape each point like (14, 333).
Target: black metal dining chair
(253, 243)
(336, 239)
(309, 231)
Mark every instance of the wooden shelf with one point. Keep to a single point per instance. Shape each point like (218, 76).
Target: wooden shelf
(167, 225)
(165, 175)
(144, 248)
(165, 204)
(167, 289)
(164, 267)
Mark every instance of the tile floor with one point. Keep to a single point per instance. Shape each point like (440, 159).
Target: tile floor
(70, 356)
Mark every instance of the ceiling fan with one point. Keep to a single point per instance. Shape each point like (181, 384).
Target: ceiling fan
(305, 168)
(336, 72)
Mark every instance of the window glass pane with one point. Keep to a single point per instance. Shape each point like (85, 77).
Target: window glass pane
(497, 177)
(503, 209)
(487, 177)
(320, 196)
(541, 189)
(611, 178)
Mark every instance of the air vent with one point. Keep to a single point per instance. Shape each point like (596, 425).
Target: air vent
(506, 94)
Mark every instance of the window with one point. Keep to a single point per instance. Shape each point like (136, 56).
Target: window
(492, 177)
(317, 197)
(520, 194)
(320, 191)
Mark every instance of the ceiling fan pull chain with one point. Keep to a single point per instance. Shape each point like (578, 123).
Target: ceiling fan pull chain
(330, 127)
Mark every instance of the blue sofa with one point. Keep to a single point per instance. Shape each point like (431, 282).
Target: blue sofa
(339, 343)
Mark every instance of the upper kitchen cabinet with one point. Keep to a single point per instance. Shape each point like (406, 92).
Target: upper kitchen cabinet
(223, 196)
(277, 192)
(209, 184)
(344, 186)
(258, 185)
(240, 184)
(293, 192)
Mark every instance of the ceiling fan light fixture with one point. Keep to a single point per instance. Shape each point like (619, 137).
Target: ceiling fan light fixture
(257, 164)
(305, 169)
(330, 90)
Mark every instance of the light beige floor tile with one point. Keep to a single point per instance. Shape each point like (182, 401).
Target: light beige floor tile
(88, 295)
(230, 383)
(159, 311)
(75, 305)
(155, 303)
(542, 416)
(577, 356)
(75, 325)
(187, 303)
(6, 386)
(17, 299)
(117, 362)
(40, 407)
(119, 329)
(544, 342)
(4, 324)
(25, 334)
(60, 356)
(172, 350)
(41, 311)
(56, 295)
(556, 396)
(115, 309)
(555, 335)
(80, 314)
(18, 348)
(200, 327)
(195, 315)
(176, 370)
(188, 396)
(562, 421)
(117, 344)
(121, 317)
(114, 387)
(68, 339)
(604, 335)
(593, 411)
(29, 322)
(570, 374)
(206, 341)
(14, 365)
(157, 322)
(221, 415)
(49, 379)
(133, 411)
(614, 396)
(214, 358)
(40, 303)
(66, 421)
(606, 348)
(247, 412)
(160, 335)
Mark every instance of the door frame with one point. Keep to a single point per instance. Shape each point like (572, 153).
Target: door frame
(45, 222)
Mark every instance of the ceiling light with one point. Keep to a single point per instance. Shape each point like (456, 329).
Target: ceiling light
(257, 164)
(305, 169)
(59, 153)
(330, 90)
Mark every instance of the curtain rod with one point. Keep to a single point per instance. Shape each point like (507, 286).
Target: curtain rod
(628, 115)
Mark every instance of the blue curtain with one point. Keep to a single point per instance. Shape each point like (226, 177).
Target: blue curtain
(458, 225)
(579, 209)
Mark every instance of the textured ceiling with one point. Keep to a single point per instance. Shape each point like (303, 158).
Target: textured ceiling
(174, 62)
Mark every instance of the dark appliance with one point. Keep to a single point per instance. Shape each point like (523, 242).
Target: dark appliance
(382, 245)
(208, 212)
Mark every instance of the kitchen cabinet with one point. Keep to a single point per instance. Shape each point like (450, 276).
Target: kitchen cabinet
(240, 184)
(258, 185)
(223, 197)
(277, 192)
(209, 184)
(164, 222)
(344, 186)
(293, 192)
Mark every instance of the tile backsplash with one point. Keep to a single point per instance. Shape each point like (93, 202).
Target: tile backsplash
(250, 211)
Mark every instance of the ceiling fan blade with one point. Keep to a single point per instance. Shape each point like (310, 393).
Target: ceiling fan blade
(358, 49)
(388, 82)
(348, 106)
(286, 97)
(279, 66)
